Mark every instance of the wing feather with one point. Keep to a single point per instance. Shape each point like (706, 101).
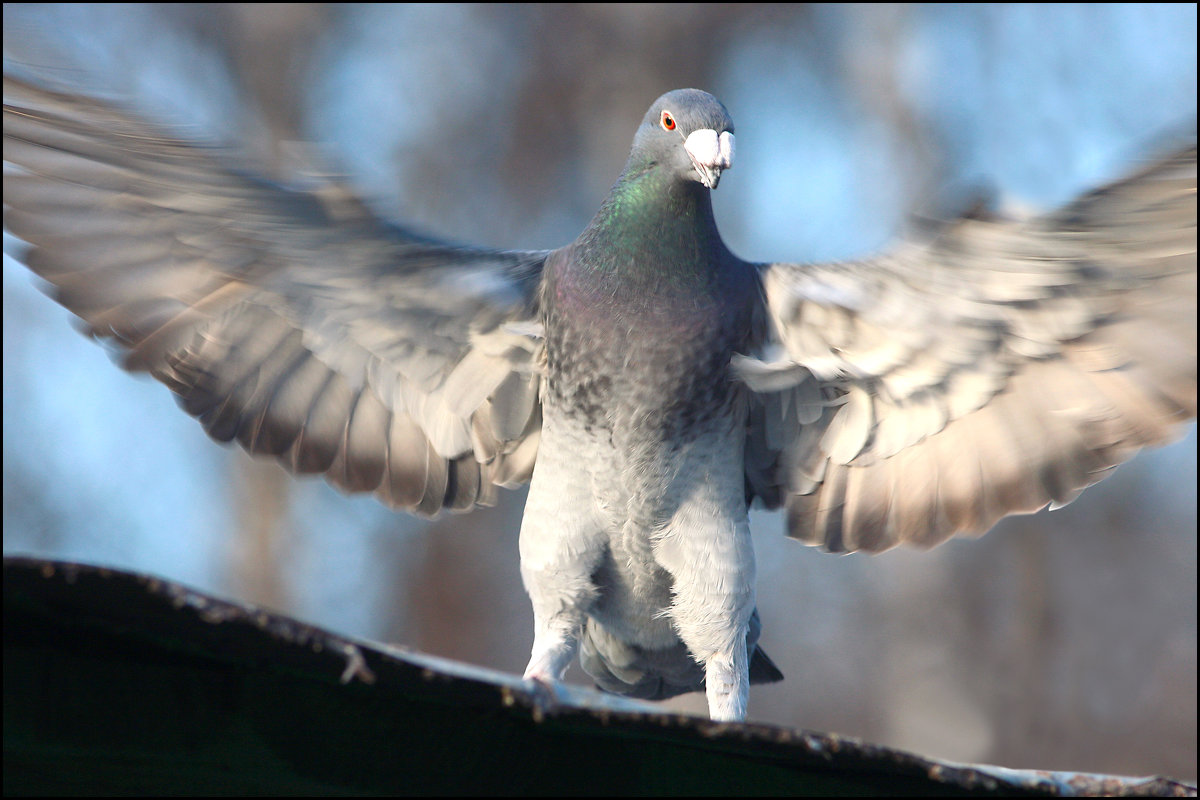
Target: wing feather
(291, 320)
(997, 368)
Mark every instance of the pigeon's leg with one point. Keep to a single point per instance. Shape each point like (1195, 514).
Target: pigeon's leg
(711, 559)
(561, 545)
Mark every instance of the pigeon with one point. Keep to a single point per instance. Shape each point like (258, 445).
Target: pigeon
(646, 382)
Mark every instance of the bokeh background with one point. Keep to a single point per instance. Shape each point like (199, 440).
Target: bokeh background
(1062, 640)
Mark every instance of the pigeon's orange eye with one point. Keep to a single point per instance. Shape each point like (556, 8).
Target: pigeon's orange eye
(667, 121)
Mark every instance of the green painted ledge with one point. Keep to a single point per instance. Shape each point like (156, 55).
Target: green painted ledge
(119, 684)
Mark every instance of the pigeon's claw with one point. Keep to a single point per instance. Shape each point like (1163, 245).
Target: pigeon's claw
(547, 694)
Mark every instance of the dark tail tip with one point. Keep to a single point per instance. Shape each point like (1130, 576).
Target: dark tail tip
(763, 669)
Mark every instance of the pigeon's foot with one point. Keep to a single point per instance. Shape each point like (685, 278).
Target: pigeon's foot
(547, 693)
(543, 676)
(553, 650)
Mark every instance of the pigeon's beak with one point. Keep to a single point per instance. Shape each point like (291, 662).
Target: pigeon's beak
(710, 154)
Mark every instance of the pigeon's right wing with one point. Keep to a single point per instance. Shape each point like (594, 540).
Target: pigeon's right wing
(295, 322)
(996, 368)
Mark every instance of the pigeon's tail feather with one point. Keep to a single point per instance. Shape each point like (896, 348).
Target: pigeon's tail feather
(626, 669)
(762, 668)
(619, 667)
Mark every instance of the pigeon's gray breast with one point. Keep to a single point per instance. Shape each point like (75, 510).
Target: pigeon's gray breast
(645, 360)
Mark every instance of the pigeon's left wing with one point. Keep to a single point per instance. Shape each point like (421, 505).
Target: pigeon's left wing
(996, 368)
(293, 321)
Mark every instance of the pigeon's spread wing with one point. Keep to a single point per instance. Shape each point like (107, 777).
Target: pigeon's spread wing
(1000, 367)
(293, 321)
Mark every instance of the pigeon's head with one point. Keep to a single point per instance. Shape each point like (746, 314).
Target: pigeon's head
(687, 131)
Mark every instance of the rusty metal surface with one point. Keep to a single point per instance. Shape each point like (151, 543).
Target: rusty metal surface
(117, 682)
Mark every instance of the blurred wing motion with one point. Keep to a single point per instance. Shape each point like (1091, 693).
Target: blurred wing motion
(293, 321)
(996, 369)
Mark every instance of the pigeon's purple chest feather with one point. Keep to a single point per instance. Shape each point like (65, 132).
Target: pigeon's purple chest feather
(660, 344)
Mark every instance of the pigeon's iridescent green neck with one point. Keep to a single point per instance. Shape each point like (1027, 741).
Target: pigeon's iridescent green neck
(654, 230)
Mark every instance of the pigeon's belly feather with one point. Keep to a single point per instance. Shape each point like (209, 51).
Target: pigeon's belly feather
(645, 497)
